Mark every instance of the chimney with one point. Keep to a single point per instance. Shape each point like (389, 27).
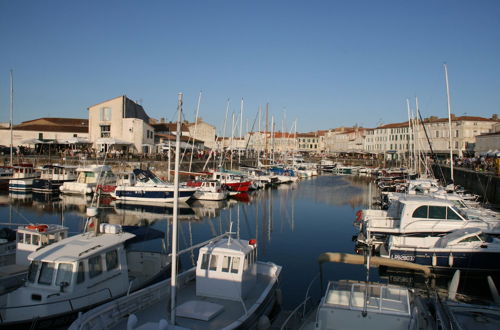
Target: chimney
(494, 116)
(162, 120)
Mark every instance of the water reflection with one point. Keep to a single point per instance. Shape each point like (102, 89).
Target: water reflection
(293, 224)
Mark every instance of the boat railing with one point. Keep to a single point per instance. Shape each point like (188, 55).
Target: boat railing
(64, 305)
(301, 310)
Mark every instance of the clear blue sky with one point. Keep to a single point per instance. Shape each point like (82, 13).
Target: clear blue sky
(326, 63)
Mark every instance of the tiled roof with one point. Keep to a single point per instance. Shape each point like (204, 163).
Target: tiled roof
(75, 125)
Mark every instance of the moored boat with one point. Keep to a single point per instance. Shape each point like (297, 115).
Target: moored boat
(88, 179)
(52, 177)
(145, 186)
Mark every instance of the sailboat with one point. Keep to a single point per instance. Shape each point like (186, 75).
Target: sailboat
(227, 289)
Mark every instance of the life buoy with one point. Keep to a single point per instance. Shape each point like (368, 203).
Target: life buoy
(359, 215)
(40, 228)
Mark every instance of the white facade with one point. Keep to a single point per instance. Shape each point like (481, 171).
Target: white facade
(122, 123)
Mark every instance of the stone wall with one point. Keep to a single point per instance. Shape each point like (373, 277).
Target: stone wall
(485, 185)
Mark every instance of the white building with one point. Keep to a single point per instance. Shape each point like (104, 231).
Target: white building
(121, 124)
(46, 130)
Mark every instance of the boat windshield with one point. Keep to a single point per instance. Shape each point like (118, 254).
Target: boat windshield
(486, 238)
(33, 270)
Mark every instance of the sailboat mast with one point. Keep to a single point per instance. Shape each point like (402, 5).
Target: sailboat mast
(194, 133)
(241, 130)
(224, 135)
(173, 277)
(409, 135)
(449, 118)
(11, 114)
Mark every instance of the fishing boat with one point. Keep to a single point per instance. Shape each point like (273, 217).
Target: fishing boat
(349, 304)
(145, 186)
(80, 272)
(210, 190)
(25, 240)
(468, 248)
(88, 180)
(52, 177)
(22, 177)
(229, 288)
(235, 183)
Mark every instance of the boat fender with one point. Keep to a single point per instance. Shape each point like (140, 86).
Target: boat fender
(279, 297)
(263, 323)
(89, 190)
(163, 325)
(131, 322)
(434, 260)
(451, 259)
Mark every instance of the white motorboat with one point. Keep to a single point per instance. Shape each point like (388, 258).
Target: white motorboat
(82, 271)
(210, 190)
(420, 216)
(88, 180)
(145, 186)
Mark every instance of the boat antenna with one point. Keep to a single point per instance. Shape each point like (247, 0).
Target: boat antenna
(173, 277)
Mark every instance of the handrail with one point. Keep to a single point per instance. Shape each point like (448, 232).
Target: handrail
(283, 326)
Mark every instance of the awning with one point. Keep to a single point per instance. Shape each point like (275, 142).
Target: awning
(31, 141)
(110, 141)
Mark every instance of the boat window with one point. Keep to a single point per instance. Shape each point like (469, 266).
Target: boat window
(27, 238)
(204, 261)
(20, 237)
(35, 239)
(470, 239)
(46, 273)
(437, 212)
(111, 260)
(80, 277)
(420, 212)
(451, 215)
(32, 271)
(225, 264)
(235, 267)
(95, 266)
(64, 272)
(213, 262)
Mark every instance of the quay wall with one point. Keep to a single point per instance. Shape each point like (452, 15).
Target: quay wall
(486, 185)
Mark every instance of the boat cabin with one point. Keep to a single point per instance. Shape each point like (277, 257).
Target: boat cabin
(32, 237)
(126, 179)
(387, 306)
(94, 174)
(227, 269)
(23, 171)
(84, 261)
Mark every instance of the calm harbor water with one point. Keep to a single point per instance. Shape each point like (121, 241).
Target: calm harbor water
(293, 225)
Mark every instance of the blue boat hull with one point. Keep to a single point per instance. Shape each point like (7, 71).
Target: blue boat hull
(472, 261)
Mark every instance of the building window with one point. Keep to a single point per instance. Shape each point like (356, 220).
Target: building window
(456, 133)
(105, 131)
(437, 134)
(105, 114)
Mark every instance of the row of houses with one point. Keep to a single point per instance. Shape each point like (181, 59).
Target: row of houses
(123, 125)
